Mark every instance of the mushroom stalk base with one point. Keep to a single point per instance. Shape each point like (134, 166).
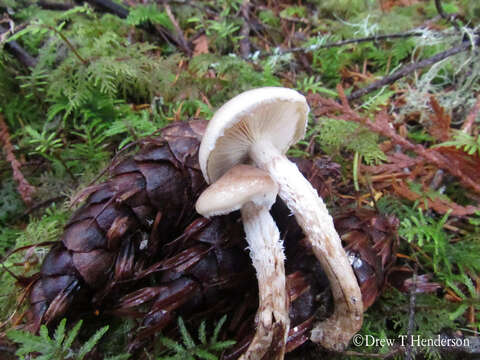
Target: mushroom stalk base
(312, 215)
(268, 258)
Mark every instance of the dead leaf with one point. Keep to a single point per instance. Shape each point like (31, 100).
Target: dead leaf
(24, 188)
(421, 284)
(201, 45)
(440, 205)
(383, 125)
(440, 121)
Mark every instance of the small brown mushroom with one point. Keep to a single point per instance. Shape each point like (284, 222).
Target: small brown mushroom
(257, 127)
(253, 192)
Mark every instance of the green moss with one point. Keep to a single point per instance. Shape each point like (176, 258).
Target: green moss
(71, 113)
(45, 229)
(335, 135)
(12, 204)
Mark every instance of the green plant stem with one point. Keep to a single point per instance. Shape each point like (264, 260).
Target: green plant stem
(356, 160)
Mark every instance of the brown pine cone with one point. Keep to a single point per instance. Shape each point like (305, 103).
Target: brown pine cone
(137, 248)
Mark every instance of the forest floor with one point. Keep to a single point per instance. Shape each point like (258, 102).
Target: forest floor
(394, 92)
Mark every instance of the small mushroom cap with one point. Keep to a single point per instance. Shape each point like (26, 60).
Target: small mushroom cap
(239, 185)
(275, 114)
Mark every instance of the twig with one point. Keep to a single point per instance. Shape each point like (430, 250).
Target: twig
(438, 5)
(297, 20)
(245, 30)
(407, 69)
(449, 17)
(347, 42)
(69, 44)
(180, 38)
(43, 204)
(411, 315)
(24, 188)
(123, 12)
(110, 7)
(19, 52)
(54, 6)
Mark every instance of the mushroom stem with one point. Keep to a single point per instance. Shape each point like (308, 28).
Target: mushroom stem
(267, 255)
(313, 217)
(253, 192)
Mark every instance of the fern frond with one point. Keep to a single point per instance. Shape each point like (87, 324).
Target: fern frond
(186, 337)
(58, 348)
(202, 334)
(141, 14)
(29, 342)
(72, 335)
(464, 141)
(172, 345)
(334, 135)
(217, 329)
(207, 349)
(90, 344)
(59, 335)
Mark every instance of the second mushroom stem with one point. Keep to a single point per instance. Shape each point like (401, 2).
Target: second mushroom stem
(268, 258)
(317, 224)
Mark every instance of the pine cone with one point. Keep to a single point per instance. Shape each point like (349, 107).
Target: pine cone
(148, 200)
(137, 248)
(370, 239)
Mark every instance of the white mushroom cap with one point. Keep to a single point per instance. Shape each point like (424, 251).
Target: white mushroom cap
(275, 114)
(239, 185)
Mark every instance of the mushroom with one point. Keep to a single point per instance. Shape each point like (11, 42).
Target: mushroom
(257, 127)
(253, 192)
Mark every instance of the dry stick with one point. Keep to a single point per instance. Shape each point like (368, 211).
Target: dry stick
(347, 42)
(449, 17)
(43, 204)
(69, 44)
(123, 12)
(55, 6)
(441, 12)
(27, 59)
(373, 38)
(404, 71)
(19, 52)
(180, 38)
(24, 188)
(110, 6)
(438, 5)
(245, 30)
